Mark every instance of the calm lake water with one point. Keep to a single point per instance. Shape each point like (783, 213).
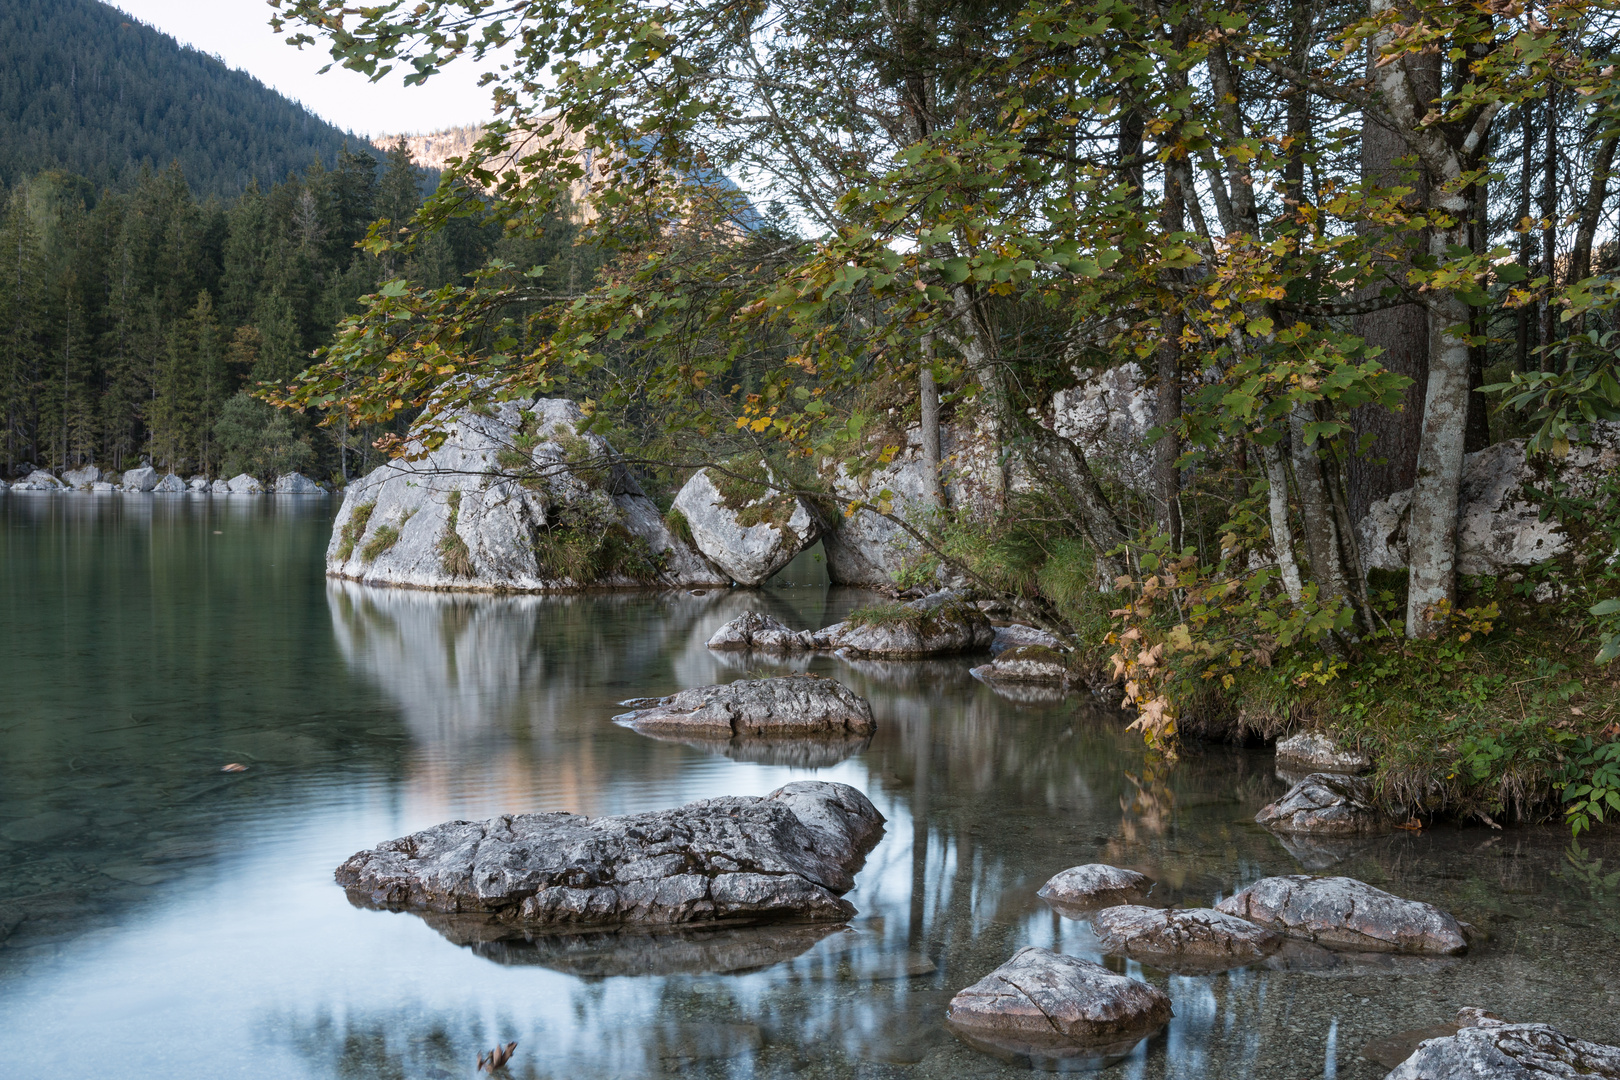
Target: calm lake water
(161, 919)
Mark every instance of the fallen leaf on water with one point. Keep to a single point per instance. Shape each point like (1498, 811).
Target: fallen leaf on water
(496, 1058)
(1411, 825)
(234, 766)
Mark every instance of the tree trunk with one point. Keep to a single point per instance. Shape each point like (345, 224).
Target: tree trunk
(1549, 229)
(1390, 465)
(1523, 327)
(1580, 258)
(1282, 532)
(1166, 452)
(1315, 509)
(933, 491)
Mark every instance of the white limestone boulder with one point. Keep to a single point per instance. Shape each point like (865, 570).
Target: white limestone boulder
(1095, 885)
(144, 478)
(747, 530)
(515, 499)
(243, 484)
(1343, 913)
(294, 483)
(169, 485)
(81, 478)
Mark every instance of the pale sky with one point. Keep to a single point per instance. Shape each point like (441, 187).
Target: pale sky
(238, 32)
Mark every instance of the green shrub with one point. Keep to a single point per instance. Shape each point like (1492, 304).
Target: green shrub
(454, 558)
(354, 529)
(678, 526)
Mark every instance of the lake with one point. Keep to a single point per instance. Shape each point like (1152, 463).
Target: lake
(160, 918)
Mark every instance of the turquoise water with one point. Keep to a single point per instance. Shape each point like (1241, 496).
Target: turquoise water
(162, 919)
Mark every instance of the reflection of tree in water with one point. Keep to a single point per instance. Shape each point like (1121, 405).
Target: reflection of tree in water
(392, 1048)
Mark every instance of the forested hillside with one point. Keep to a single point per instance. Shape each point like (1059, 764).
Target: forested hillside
(133, 322)
(87, 89)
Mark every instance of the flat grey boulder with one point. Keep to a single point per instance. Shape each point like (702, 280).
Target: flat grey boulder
(102, 486)
(144, 478)
(520, 497)
(243, 484)
(294, 483)
(1026, 664)
(170, 485)
(80, 479)
(1183, 939)
(754, 631)
(1341, 912)
(942, 624)
(746, 529)
(1325, 804)
(1485, 1048)
(1054, 1011)
(1313, 752)
(1095, 885)
(220, 487)
(787, 856)
(790, 705)
(40, 480)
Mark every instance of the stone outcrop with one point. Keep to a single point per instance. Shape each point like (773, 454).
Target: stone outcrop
(1325, 804)
(754, 631)
(243, 484)
(789, 705)
(170, 485)
(220, 487)
(1108, 415)
(1050, 1011)
(1095, 885)
(296, 484)
(1498, 528)
(80, 479)
(39, 480)
(515, 499)
(865, 548)
(746, 529)
(1344, 913)
(144, 478)
(787, 856)
(942, 624)
(1313, 752)
(1183, 939)
(1487, 1048)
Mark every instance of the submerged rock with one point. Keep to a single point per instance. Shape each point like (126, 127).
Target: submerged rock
(746, 529)
(1017, 636)
(716, 950)
(1313, 752)
(243, 484)
(788, 855)
(1486, 1048)
(1054, 1011)
(1341, 912)
(297, 484)
(786, 705)
(942, 624)
(1096, 885)
(1325, 804)
(753, 631)
(1178, 939)
(516, 499)
(1026, 664)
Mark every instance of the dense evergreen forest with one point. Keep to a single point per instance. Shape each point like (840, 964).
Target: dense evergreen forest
(133, 322)
(87, 89)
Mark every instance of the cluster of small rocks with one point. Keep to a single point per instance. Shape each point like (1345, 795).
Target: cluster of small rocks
(147, 480)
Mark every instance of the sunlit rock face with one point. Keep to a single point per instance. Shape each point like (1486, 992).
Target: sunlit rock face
(515, 499)
(1498, 528)
(788, 855)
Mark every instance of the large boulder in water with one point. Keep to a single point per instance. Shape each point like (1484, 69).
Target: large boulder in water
(515, 499)
(789, 705)
(1183, 939)
(789, 855)
(144, 478)
(754, 631)
(243, 484)
(1325, 804)
(294, 483)
(1054, 1011)
(743, 526)
(1341, 912)
(1486, 1048)
(80, 479)
(170, 485)
(942, 624)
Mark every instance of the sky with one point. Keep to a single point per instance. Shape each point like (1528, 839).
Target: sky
(238, 32)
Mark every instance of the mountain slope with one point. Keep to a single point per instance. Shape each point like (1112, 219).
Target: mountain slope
(87, 89)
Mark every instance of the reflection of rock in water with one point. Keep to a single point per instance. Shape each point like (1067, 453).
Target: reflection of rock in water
(460, 665)
(792, 753)
(722, 951)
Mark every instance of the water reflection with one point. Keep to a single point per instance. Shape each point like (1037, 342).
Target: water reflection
(155, 913)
